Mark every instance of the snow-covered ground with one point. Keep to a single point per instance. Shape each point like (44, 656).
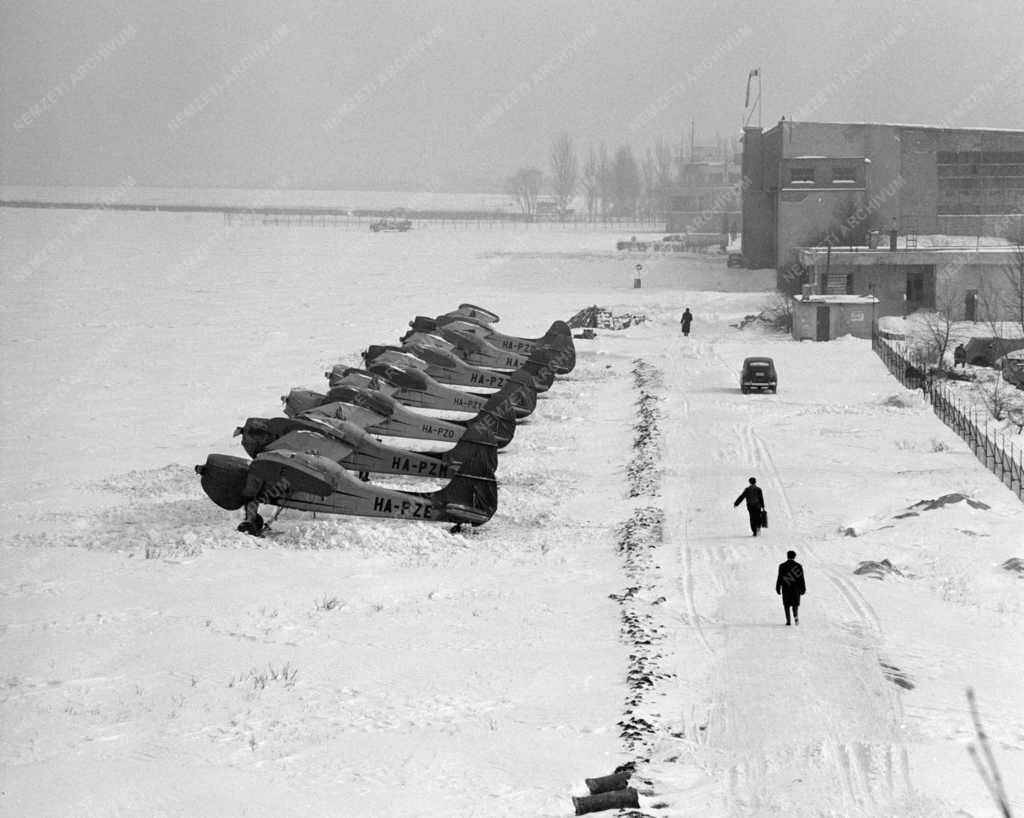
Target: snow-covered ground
(981, 390)
(156, 662)
(432, 197)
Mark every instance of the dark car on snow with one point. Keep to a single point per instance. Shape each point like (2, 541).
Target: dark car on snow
(758, 373)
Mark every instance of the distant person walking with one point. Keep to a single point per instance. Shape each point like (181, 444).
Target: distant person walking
(755, 504)
(686, 320)
(790, 586)
(960, 356)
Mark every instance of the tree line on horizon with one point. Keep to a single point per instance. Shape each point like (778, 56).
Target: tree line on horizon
(612, 185)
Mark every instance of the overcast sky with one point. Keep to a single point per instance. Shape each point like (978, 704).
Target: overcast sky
(351, 94)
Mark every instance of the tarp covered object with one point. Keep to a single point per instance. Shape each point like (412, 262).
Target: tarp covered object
(602, 318)
(987, 350)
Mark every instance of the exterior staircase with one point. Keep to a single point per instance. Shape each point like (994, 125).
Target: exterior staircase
(910, 231)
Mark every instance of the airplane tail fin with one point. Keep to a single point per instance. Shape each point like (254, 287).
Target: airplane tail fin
(476, 451)
(472, 494)
(558, 338)
(540, 369)
(518, 393)
(500, 421)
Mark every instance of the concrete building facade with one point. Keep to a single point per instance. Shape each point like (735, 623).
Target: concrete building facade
(815, 183)
(825, 317)
(966, 284)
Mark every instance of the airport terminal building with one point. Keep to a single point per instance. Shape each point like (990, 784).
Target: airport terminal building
(850, 185)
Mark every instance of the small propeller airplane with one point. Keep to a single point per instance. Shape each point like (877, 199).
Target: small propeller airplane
(414, 388)
(357, 450)
(382, 415)
(309, 480)
(480, 344)
(450, 369)
(319, 456)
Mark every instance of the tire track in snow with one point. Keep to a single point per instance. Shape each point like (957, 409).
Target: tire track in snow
(685, 584)
(869, 777)
(854, 762)
(859, 606)
(764, 456)
(755, 451)
(896, 763)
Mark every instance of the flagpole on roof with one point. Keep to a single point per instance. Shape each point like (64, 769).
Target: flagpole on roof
(760, 107)
(754, 72)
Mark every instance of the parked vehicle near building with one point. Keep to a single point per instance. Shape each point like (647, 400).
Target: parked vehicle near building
(758, 373)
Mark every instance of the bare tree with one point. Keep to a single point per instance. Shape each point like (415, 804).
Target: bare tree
(524, 185)
(682, 158)
(604, 178)
(590, 185)
(626, 184)
(995, 395)
(663, 172)
(564, 170)
(1014, 273)
(938, 325)
(649, 196)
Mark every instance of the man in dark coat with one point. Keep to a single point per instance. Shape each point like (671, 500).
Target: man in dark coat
(755, 504)
(686, 320)
(790, 585)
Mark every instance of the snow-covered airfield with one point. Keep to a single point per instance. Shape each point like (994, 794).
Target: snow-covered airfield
(156, 662)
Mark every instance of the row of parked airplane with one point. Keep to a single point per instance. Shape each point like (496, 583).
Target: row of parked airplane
(439, 404)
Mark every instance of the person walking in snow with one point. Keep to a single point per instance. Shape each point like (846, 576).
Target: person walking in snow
(960, 356)
(790, 586)
(686, 320)
(755, 504)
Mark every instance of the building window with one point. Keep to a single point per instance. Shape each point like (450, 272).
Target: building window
(844, 175)
(972, 182)
(801, 176)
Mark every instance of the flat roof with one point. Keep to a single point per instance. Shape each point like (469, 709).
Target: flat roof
(895, 125)
(924, 255)
(836, 298)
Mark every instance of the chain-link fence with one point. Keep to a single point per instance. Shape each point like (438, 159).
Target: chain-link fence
(990, 446)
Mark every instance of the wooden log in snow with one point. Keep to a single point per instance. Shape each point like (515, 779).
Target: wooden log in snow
(615, 799)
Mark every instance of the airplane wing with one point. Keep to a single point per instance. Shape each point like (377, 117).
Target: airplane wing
(302, 440)
(358, 415)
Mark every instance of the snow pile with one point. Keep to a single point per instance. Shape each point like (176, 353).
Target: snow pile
(902, 400)
(877, 570)
(1014, 565)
